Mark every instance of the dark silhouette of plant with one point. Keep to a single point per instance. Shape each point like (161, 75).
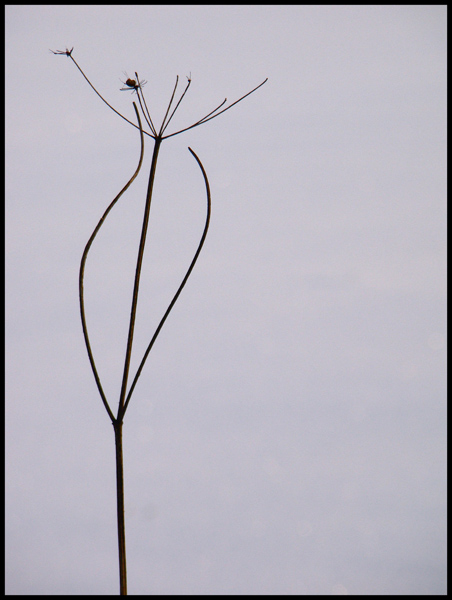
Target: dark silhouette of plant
(136, 87)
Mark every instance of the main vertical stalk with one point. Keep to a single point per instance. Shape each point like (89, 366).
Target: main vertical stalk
(117, 423)
(158, 141)
(120, 508)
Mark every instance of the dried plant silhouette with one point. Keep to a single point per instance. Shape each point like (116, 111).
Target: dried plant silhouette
(136, 87)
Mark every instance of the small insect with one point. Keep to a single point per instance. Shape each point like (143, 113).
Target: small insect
(132, 84)
(67, 52)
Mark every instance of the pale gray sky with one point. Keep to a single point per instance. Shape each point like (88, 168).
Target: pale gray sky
(287, 435)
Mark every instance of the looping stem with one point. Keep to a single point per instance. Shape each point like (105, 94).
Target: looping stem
(123, 399)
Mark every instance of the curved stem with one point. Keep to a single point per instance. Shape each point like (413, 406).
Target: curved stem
(158, 141)
(82, 270)
(184, 281)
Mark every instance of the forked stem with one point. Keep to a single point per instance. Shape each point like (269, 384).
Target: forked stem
(184, 281)
(133, 311)
(124, 397)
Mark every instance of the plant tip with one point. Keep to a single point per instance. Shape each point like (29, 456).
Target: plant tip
(66, 52)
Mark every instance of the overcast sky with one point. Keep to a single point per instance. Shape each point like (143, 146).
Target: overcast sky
(287, 435)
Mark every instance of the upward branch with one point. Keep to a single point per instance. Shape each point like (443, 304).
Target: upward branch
(136, 86)
(139, 90)
(136, 286)
(209, 118)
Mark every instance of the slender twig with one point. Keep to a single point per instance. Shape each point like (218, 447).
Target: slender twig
(145, 110)
(169, 104)
(103, 99)
(165, 125)
(208, 114)
(205, 119)
(147, 116)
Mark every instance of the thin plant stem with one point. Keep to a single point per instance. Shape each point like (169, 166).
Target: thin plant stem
(147, 116)
(169, 105)
(83, 263)
(102, 98)
(205, 119)
(145, 109)
(117, 424)
(120, 508)
(184, 281)
(157, 143)
(165, 125)
(211, 113)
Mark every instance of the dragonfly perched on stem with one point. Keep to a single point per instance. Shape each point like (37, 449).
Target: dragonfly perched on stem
(132, 85)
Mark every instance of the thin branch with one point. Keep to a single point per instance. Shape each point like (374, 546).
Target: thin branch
(82, 269)
(148, 118)
(169, 104)
(205, 119)
(211, 113)
(102, 98)
(236, 102)
(184, 281)
(165, 123)
(177, 106)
